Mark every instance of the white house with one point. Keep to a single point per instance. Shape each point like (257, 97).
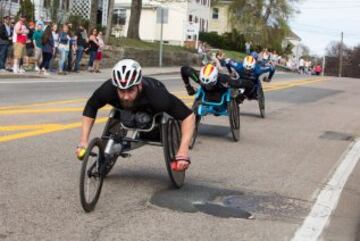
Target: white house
(219, 17)
(180, 17)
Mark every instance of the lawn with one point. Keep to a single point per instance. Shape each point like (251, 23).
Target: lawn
(138, 44)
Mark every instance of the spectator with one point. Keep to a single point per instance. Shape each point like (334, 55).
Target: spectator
(64, 44)
(47, 23)
(318, 69)
(99, 53)
(274, 58)
(264, 56)
(72, 46)
(47, 50)
(301, 66)
(29, 44)
(248, 47)
(19, 40)
(219, 61)
(5, 40)
(93, 48)
(81, 44)
(37, 36)
(55, 36)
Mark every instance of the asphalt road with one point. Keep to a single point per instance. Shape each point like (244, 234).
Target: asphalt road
(275, 172)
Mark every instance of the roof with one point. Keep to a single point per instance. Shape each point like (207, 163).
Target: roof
(293, 36)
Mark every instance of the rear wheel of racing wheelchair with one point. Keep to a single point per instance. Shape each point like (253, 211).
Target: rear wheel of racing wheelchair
(234, 119)
(261, 101)
(90, 179)
(197, 123)
(171, 137)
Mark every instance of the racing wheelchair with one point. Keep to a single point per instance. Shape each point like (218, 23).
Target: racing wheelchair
(102, 152)
(257, 92)
(226, 106)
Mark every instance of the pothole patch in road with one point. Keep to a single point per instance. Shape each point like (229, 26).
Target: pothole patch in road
(230, 204)
(338, 136)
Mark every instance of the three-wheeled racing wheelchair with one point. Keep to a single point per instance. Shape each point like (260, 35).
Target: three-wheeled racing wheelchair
(226, 105)
(102, 152)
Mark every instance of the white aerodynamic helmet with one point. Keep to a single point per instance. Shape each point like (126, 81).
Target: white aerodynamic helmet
(249, 62)
(126, 73)
(208, 74)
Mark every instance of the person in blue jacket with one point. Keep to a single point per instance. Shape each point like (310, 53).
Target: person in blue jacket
(249, 71)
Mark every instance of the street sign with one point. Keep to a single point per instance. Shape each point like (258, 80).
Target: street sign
(192, 29)
(162, 15)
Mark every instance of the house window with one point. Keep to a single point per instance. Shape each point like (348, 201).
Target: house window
(190, 18)
(119, 16)
(215, 13)
(197, 1)
(196, 19)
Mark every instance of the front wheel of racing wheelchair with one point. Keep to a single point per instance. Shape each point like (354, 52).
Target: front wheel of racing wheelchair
(97, 163)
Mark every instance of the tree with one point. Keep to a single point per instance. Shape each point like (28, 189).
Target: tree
(54, 9)
(133, 30)
(93, 13)
(110, 20)
(27, 9)
(333, 49)
(264, 22)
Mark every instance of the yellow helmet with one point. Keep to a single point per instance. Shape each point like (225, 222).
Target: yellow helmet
(209, 74)
(249, 62)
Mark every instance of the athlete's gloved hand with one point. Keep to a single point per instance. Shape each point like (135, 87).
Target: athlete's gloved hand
(190, 90)
(80, 151)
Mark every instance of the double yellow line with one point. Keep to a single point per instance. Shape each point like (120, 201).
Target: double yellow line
(35, 130)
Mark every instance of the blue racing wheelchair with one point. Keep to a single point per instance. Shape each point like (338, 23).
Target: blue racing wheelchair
(225, 105)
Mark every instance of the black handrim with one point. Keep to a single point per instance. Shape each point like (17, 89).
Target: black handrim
(234, 118)
(261, 100)
(196, 129)
(197, 123)
(171, 137)
(90, 177)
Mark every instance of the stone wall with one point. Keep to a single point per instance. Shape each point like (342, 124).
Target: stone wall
(149, 58)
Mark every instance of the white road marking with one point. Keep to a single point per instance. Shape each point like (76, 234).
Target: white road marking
(328, 198)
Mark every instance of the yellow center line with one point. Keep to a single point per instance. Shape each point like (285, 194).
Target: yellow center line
(84, 99)
(54, 128)
(36, 130)
(42, 104)
(28, 127)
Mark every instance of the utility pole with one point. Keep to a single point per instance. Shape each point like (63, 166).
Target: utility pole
(161, 36)
(341, 54)
(323, 66)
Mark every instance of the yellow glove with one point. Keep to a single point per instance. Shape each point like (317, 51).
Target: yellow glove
(81, 152)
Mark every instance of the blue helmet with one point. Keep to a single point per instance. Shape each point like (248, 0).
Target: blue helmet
(254, 54)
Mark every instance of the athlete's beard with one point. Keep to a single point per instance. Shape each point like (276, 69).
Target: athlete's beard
(130, 104)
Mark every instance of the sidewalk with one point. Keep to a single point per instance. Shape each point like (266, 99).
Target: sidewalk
(105, 74)
(86, 74)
